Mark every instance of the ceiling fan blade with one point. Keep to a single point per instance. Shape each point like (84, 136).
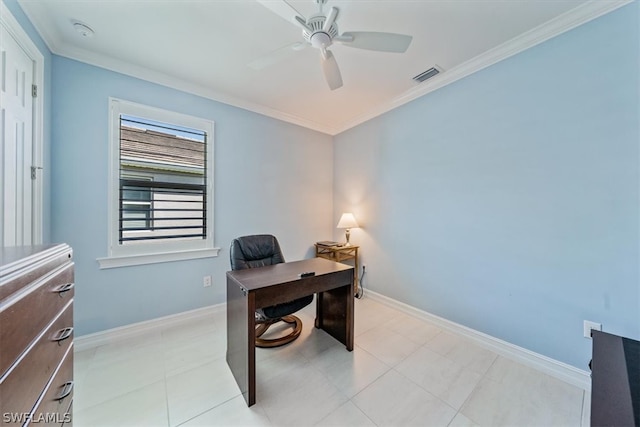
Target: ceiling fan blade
(383, 42)
(333, 14)
(278, 55)
(331, 70)
(283, 9)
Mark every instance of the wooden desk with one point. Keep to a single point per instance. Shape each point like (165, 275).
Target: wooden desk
(248, 290)
(339, 254)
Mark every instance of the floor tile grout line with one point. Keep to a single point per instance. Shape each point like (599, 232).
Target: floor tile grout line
(111, 399)
(309, 357)
(475, 387)
(205, 411)
(166, 400)
(168, 375)
(359, 409)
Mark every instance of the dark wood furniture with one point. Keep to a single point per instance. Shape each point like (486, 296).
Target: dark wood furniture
(36, 335)
(615, 380)
(339, 254)
(254, 288)
(259, 250)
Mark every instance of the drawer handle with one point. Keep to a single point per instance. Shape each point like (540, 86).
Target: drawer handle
(67, 388)
(62, 334)
(64, 288)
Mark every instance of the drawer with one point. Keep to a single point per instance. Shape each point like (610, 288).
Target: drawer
(68, 418)
(29, 270)
(21, 387)
(23, 317)
(54, 408)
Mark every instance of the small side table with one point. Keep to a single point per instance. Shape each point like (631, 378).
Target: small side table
(339, 254)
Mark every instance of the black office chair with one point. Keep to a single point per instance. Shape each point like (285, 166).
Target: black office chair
(259, 251)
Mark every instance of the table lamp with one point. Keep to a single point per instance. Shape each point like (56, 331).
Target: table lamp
(347, 221)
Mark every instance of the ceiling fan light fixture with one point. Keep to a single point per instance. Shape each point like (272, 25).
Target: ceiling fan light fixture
(320, 31)
(320, 40)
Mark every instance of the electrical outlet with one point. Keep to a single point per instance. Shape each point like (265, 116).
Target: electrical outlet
(589, 326)
(206, 281)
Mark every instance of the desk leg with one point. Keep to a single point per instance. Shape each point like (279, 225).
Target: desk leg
(334, 314)
(355, 273)
(241, 350)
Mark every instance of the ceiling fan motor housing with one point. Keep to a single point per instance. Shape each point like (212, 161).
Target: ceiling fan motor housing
(320, 31)
(318, 38)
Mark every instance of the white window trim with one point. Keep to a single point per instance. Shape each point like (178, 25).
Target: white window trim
(153, 252)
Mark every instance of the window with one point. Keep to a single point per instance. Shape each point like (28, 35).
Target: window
(161, 186)
(135, 209)
(168, 200)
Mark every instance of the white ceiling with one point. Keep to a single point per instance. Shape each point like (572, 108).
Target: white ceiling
(204, 46)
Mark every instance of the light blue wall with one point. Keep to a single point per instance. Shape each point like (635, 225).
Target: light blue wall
(270, 177)
(45, 92)
(508, 201)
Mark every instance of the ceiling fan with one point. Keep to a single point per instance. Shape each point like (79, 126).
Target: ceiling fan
(321, 31)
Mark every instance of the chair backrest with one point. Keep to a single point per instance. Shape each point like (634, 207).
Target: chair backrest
(255, 251)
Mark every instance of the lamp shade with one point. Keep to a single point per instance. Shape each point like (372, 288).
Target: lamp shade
(347, 220)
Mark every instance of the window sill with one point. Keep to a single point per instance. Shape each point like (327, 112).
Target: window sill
(131, 260)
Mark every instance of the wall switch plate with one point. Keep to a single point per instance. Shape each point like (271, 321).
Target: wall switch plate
(206, 281)
(589, 326)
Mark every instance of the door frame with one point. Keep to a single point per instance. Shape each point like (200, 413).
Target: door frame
(9, 22)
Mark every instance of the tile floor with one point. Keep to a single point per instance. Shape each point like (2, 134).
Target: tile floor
(402, 372)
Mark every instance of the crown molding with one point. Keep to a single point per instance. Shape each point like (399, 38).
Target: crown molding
(46, 31)
(58, 47)
(150, 75)
(561, 24)
(552, 28)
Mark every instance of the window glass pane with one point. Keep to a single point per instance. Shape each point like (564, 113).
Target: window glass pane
(162, 181)
(136, 205)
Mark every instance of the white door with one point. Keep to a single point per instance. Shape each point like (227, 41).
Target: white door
(16, 131)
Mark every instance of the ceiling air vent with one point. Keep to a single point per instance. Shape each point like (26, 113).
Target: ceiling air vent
(427, 74)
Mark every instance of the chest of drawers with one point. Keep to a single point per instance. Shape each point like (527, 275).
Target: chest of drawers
(36, 335)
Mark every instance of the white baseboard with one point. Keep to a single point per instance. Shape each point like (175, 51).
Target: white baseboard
(555, 368)
(85, 342)
(545, 364)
